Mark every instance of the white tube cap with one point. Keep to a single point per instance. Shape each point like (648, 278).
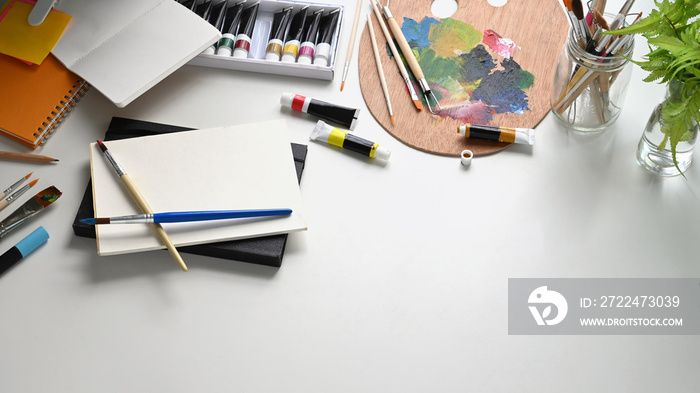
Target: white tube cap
(382, 153)
(466, 157)
(287, 99)
(272, 56)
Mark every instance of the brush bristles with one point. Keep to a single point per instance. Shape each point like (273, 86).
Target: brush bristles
(102, 221)
(48, 196)
(418, 105)
(577, 7)
(102, 146)
(601, 20)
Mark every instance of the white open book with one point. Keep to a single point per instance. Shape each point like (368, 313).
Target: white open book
(123, 48)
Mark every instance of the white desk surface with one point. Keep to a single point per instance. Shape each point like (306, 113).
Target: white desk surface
(399, 285)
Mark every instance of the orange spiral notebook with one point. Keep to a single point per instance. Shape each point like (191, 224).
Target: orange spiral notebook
(36, 98)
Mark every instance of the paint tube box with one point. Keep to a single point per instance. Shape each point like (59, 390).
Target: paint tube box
(257, 50)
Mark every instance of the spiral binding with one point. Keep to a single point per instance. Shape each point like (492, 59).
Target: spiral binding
(62, 110)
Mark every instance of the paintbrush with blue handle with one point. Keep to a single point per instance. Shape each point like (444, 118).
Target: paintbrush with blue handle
(186, 216)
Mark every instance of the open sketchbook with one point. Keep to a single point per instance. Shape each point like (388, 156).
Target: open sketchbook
(123, 48)
(239, 167)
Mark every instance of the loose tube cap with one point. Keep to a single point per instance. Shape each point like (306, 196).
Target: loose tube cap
(466, 157)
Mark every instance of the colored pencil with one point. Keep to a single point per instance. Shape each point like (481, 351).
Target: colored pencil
(14, 186)
(351, 44)
(380, 69)
(397, 58)
(13, 197)
(188, 216)
(140, 201)
(26, 157)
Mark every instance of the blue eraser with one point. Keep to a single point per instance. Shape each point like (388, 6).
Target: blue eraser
(32, 241)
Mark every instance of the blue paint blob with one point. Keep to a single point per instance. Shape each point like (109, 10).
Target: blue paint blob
(501, 89)
(418, 34)
(477, 64)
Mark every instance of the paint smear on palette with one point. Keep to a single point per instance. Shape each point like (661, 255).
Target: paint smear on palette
(471, 82)
(502, 46)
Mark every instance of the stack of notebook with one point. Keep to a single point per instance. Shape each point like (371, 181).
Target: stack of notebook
(267, 250)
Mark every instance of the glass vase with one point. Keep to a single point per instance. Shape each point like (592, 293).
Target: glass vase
(654, 150)
(588, 89)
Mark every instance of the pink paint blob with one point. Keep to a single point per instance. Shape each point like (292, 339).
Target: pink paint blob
(502, 46)
(472, 112)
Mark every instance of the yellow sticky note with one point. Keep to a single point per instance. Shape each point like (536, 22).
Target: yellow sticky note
(26, 42)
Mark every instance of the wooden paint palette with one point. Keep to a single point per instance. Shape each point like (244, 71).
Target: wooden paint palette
(538, 30)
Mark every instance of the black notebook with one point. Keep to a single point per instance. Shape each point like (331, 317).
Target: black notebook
(267, 250)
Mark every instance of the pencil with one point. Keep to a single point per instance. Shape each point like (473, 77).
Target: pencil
(140, 201)
(380, 69)
(397, 58)
(26, 157)
(351, 44)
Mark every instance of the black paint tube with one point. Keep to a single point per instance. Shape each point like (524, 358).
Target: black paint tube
(232, 19)
(340, 115)
(296, 31)
(325, 36)
(279, 27)
(308, 45)
(217, 20)
(245, 31)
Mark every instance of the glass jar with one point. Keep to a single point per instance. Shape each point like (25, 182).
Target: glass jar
(654, 152)
(589, 90)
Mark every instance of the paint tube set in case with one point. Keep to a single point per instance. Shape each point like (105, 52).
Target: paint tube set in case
(276, 37)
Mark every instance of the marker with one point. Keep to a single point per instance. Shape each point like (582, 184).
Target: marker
(17, 194)
(501, 134)
(217, 23)
(336, 137)
(306, 51)
(22, 249)
(187, 216)
(325, 36)
(279, 27)
(245, 32)
(228, 39)
(340, 115)
(14, 186)
(296, 31)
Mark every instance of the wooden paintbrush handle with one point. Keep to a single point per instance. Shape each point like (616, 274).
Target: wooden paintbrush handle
(146, 209)
(405, 48)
